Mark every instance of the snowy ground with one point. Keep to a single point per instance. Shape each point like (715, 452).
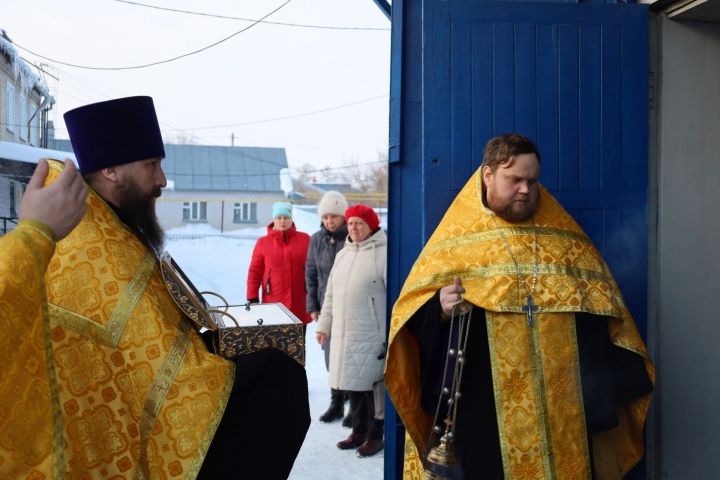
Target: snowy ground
(220, 265)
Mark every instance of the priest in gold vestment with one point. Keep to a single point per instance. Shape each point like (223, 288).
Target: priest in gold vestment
(555, 380)
(46, 215)
(124, 386)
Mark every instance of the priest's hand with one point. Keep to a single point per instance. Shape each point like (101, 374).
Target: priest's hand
(320, 337)
(60, 205)
(451, 296)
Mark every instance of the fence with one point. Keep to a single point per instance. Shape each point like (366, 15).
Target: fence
(8, 220)
(196, 236)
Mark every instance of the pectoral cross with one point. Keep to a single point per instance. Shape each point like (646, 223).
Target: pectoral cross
(530, 308)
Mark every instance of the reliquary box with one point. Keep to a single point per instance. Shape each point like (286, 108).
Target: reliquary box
(236, 329)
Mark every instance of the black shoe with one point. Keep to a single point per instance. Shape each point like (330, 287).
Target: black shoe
(347, 421)
(336, 410)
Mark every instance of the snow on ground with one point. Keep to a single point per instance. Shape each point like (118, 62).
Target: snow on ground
(220, 265)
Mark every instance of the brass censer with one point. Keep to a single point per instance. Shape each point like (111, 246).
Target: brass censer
(441, 462)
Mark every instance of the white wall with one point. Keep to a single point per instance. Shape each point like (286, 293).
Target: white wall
(685, 280)
(219, 208)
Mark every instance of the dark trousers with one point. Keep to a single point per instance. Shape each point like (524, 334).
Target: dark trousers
(362, 413)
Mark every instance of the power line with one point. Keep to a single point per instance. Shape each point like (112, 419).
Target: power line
(227, 17)
(242, 153)
(134, 67)
(287, 117)
(274, 119)
(295, 170)
(39, 68)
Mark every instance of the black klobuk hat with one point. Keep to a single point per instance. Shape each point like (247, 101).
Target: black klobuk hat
(114, 132)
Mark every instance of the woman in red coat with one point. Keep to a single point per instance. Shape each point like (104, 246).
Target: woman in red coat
(277, 268)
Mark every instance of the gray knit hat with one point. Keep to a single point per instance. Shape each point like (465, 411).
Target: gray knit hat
(332, 203)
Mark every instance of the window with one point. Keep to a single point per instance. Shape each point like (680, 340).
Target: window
(245, 212)
(10, 103)
(195, 211)
(35, 130)
(23, 107)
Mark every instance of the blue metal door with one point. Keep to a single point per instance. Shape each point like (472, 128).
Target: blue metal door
(572, 77)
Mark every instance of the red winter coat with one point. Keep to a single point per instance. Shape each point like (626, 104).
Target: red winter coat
(278, 266)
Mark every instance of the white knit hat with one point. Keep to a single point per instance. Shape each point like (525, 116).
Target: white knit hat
(332, 203)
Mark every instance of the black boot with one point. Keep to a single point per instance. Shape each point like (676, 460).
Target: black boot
(336, 409)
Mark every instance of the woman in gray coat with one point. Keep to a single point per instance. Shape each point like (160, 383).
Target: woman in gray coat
(324, 245)
(353, 313)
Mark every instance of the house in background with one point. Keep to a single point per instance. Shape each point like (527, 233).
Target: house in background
(24, 103)
(17, 163)
(227, 188)
(24, 98)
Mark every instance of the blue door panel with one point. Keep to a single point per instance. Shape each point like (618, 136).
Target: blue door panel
(525, 82)
(548, 101)
(503, 60)
(570, 76)
(590, 112)
(483, 86)
(569, 98)
(611, 114)
(461, 106)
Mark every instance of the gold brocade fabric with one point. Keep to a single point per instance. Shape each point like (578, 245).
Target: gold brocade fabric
(26, 414)
(135, 393)
(535, 370)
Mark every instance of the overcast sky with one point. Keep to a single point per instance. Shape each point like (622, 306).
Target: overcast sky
(266, 72)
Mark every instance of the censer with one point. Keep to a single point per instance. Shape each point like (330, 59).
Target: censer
(441, 462)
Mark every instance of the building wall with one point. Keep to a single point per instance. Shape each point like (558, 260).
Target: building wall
(685, 426)
(10, 129)
(219, 208)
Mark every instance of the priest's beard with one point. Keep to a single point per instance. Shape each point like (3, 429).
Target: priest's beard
(518, 211)
(514, 211)
(137, 211)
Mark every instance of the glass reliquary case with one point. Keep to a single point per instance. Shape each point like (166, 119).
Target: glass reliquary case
(236, 329)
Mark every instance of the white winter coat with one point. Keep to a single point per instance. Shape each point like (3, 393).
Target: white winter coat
(353, 314)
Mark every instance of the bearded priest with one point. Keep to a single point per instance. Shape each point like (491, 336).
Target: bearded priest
(134, 391)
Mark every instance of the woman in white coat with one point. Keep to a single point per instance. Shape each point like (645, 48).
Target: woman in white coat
(353, 313)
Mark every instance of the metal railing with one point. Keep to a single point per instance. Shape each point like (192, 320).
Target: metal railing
(197, 236)
(8, 221)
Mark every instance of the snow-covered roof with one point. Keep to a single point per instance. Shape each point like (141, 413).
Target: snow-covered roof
(215, 168)
(28, 154)
(27, 78)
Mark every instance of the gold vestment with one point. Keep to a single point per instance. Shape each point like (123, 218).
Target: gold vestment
(26, 435)
(134, 391)
(535, 370)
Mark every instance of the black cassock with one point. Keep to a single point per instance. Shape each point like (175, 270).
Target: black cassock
(265, 421)
(611, 376)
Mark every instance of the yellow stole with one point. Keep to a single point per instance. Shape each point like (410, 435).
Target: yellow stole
(535, 370)
(135, 392)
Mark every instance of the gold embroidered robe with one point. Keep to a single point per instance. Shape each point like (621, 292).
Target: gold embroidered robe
(535, 370)
(26, 435)
(135, 393)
